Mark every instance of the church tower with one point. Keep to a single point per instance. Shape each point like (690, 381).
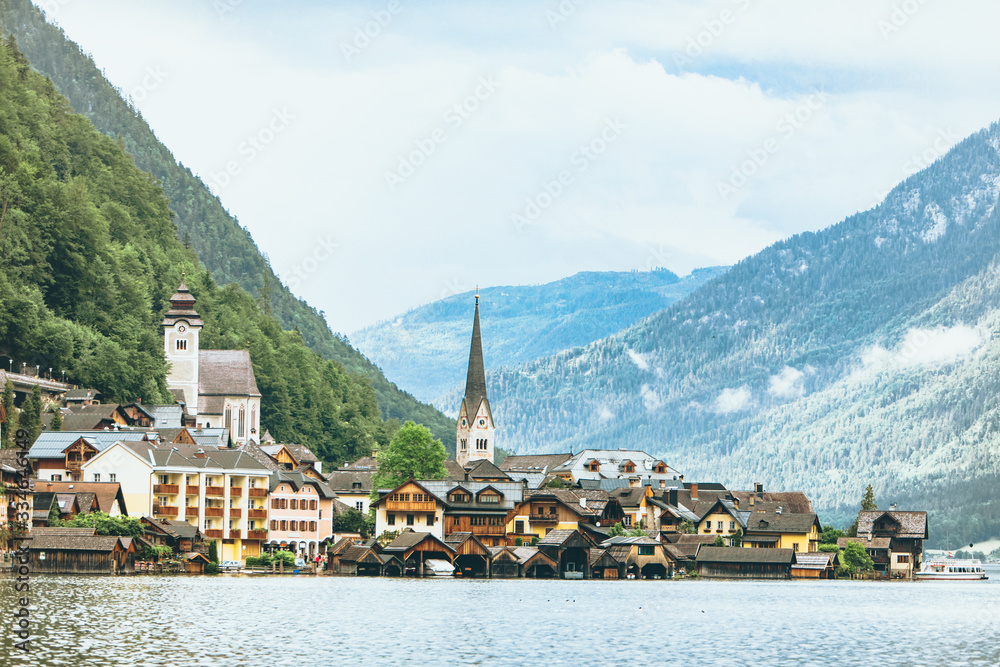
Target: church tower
(476, 432)
(181, 326)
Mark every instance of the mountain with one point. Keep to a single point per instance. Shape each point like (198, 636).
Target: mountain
(90, 257)
(222, 245)
(426, 350)
(863, 353)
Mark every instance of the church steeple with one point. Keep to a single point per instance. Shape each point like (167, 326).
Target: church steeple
(475, 418)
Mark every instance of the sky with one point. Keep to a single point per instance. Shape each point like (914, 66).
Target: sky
(387, 154)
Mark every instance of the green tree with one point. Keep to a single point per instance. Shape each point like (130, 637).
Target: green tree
(413, 453)
(867, 505)
(736, 539)
(831, 535)
(616, 530)
(57, 420)
(104, 524)
(556, 483)
(8, 406)
(353, 521)
(687, 527)
(213, 551)
(30, 418)
(855, 557)
(719, 542)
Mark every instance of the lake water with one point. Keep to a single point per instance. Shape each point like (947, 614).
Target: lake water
(299, 620)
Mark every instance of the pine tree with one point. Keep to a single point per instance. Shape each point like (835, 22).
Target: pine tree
(8, 407)
(57, 420)
(30, 418)
(868, 502)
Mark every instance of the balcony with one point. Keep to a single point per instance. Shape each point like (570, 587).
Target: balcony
(165, 510)
(235, 513)
(488, 530)
(235, 491)
(217, 534)
(256, 534)
(544, 518)
(215, 491)
(214, 511)
(257, 493)
(167, 489)
(234, 534)
(191, 490)
(257, 514)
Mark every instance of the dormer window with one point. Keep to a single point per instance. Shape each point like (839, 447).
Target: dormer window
(459, 497)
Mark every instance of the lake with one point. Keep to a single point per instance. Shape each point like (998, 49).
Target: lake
(300, 620)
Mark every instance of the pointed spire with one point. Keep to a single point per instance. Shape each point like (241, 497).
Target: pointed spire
(475, 383)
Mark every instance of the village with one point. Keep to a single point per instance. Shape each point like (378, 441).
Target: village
(211, 492)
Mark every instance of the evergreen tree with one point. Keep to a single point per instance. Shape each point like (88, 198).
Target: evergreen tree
(30, 418)
(8, 406)
(57, 420)
(868, 502)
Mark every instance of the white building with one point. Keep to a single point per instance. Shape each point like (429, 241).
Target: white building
(633, 465)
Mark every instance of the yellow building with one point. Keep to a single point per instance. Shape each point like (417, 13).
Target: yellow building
(546, 510)
(722, 519)
(799, 532)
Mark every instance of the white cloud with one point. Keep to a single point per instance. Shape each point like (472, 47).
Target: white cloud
(789, 383)
(924, 347)
(732, 400)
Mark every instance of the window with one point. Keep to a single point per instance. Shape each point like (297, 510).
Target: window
(253, 482)
(228, 419)
(903, 558)
(430, 519)
(409, 519)
(97, 477)
(355, 485)
(164, 479)
(312, 526)
(274, 524)
(182, 344)
(112, 477)
(719, 524)
(732, 525)
(313, 504)
(295, 504)
(465, 443)
(242, 425)
(390, 519)
(519, 527)
(360, 506)
(627, 520)
(253, 418)
(645, 550)
(161, 500)
(795, 547)
(481, 444)
(455, 521)
(284, 525)
(275, 503)
(489, 498)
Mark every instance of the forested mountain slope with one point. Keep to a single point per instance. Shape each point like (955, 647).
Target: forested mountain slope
(224, 247)
(866, 352)
(426, 350)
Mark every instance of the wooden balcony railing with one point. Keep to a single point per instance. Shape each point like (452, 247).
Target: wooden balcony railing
(165, 510)
(257, 493)
(545, 518)
(235, 513)
(215, 491)
(488, 530)
(256, 534)
(214, 511)
(191, 490)
(257, 514)
(235, 491)
(213, 534)
(167, 488)
(234, 534)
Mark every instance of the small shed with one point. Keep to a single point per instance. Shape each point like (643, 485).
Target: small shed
(472, 557)
(80, 551)
(195, 562)
(815, 565)
(739, 563)
(571, 550)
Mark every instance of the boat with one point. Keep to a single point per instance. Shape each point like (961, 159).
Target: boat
(951, 569)
(438, 568)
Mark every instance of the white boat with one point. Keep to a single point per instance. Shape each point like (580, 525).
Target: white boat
(950, 569)
(438, 568)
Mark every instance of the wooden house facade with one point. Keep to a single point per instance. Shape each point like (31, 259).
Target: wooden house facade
(736, 563)
(80, 551)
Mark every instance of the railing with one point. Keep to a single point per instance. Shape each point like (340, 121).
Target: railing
(214, 511)
(167, 488)
(489, 530)
(191, 490)
(234, 534)
(213, 533)
(257, 514)
(257, 493)
(256, 534)
(235, 512)
(215, 491)
(165, 510)
(545, 518)
(235, 491)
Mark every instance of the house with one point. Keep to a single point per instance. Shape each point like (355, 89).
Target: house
(816, 565)
(640, 557)
(570, 549)
(798, 532)
(546, 510)
(478, 507)
(632, 465)
(300, 513)
(358, 560)
(218, 386)
(45, 505)
(410, 505)
(411, 550)
(479, 470)
(79, 551)
(221, 491)
(353, 487)
(294, 458)
(60, 455)
(735, 563)
(98, 496)
(877, 549)
(79, 397)
(180, 536)
(472, 557)
(904, 532)
(535, 469)
(365, 463)
(195, 562)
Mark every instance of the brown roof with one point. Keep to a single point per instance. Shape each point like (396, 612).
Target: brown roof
(874, 543)
(408, 539)
(364, 463)
(738, 555)
(533, 462)
(226, 373)
(780, 523)
(74, 543)
(105, 492)
(343, 481)
(912, 524)
(794, 502)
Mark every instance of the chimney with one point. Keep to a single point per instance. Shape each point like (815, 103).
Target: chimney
(694, 492)
(200, 454)
(663, 483)
(583, 503)
(758, 488)
(753, 497)
(199, 426)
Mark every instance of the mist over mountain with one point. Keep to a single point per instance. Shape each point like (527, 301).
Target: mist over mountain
(426, 350)
(863, 353)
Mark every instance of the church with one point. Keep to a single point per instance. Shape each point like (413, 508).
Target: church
(217, 387)
(476, 431)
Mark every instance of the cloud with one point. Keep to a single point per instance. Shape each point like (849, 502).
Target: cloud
(921, 347)
(732, 400)
(789, 383)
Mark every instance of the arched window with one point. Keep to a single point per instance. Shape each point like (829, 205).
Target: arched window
(253, 418)
(243, 421)
(228, 421)
(182, 344)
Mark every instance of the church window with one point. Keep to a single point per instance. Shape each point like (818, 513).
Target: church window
(465, 442)
(182, 344)
(253, 418)
(242, 426)
(229, 418)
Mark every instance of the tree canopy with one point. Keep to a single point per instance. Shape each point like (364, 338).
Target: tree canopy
(413, 453)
